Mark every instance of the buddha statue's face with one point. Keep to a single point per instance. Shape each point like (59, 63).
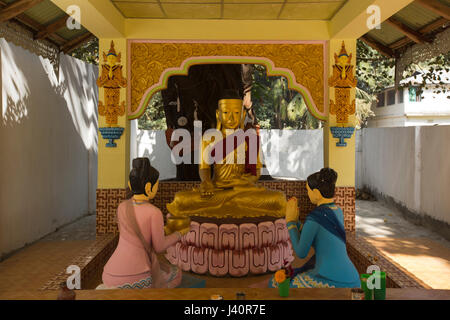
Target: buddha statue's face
(229, 113)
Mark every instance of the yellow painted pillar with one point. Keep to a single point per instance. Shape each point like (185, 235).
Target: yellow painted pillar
(113, 163)
(341, 159)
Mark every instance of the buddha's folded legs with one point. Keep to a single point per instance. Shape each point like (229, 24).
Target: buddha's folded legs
(229, 203)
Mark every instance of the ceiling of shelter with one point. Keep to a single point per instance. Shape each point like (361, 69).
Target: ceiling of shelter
(230, 9)
(46, 21)
(416, 23)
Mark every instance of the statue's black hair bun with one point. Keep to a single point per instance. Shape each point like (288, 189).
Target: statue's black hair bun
(328, 175)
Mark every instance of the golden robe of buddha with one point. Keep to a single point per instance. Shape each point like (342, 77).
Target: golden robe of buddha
(232, 192)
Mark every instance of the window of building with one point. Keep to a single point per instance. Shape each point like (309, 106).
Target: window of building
(391, 97)
(400, 95)
(380, 98)
(414, 94)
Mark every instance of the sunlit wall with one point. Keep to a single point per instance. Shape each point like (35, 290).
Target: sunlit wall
(48, 144)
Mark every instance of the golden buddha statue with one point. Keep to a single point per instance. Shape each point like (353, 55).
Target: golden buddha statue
(232, 192)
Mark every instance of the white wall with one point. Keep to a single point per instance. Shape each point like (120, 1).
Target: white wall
(435, 169)
(293, 154)
(408, 164)
(48, 141)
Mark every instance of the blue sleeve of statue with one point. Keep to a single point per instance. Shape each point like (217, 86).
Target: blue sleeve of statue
(302, 241)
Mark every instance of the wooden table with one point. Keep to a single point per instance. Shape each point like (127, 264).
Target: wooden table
(227, 293)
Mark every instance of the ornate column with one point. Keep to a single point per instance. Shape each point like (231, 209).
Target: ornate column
(339, 135)
(114, 132)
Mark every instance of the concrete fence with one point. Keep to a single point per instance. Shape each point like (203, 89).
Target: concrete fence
(409, 166)
(48, 143)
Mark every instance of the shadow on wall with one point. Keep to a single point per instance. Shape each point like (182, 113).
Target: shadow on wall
(15, 89)
(49, 132)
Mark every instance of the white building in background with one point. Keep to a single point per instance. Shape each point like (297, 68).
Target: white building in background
(405, 107)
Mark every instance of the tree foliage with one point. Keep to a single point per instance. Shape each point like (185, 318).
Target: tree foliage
(153, 117)
(88, 52)
(374, 71)
(278, 107)
(433, 74)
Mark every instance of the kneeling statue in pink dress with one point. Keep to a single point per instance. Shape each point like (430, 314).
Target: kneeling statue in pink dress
(134, 264)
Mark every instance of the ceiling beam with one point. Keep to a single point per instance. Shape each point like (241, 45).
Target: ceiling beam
(381, 48)
(436, 6)
(15, 8)
(224, 29)
(75, 43)
(439, 23)
(52, 28)
(407, 31)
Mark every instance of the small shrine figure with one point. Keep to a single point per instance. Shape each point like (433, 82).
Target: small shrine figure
(134, 263)
(342, 80)
(111, 79)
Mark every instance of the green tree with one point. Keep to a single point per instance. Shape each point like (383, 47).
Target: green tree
(88, 52)
(374, 71)
(433, 71)
(278, 107)
(153, 117)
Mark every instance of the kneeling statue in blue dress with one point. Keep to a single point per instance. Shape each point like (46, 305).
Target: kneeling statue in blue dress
(330, 266)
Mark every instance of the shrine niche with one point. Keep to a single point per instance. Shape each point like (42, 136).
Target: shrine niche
(151, 63)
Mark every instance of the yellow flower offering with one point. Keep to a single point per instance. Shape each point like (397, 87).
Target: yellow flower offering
(280, 276)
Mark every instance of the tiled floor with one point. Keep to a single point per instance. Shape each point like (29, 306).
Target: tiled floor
(377, 219)
(417, 249)
(82, 229)
(427, 259)
(32, 267)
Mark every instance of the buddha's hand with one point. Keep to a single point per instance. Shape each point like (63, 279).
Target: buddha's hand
(292, 210)
(206, 189)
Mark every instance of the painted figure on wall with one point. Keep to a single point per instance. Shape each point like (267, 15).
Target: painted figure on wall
(134, 263)
(323, 230)
(111, 79)
(342, 80)
(195, 97)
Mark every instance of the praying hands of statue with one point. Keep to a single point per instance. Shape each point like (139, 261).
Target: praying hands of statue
(292, 211)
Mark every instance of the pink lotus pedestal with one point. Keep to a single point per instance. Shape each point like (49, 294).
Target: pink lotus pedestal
(234, 249)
